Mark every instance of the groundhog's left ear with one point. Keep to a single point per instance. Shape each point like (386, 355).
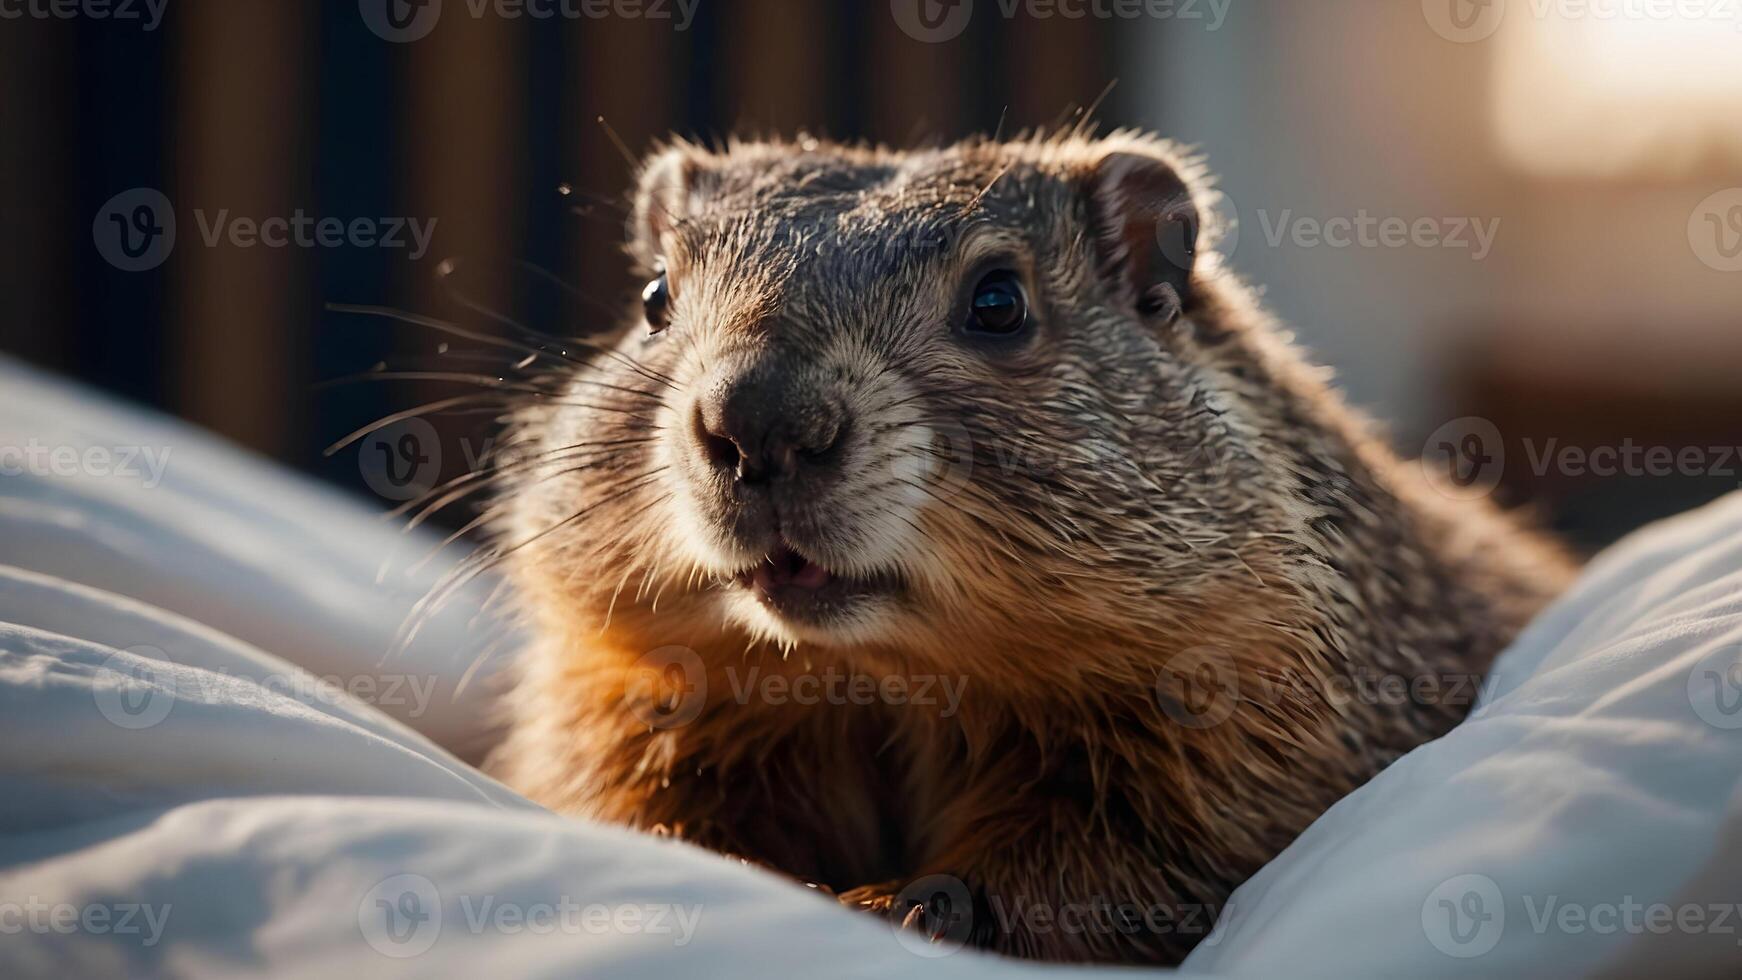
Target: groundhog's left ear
(664, 193)
(1146, 231)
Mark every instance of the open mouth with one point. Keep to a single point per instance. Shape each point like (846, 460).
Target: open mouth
(792, 586)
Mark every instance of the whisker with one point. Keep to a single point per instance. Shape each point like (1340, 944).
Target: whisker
(445, 326)
(382, 423)
(562, 355)
(494, 383)
(508, 321)
(495, 511)
(469, 569)
(490, 381)
(488, 478)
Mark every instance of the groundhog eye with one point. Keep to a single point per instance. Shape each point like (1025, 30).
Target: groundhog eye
(656, 299)
(999, 306)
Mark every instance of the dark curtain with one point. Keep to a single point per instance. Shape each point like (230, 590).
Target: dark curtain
(268, 108)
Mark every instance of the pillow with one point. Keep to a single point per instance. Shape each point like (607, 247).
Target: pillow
(184, 797)
(96, 492)
(1579, 805)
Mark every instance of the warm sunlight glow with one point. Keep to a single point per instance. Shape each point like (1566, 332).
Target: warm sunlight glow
(1620, 87)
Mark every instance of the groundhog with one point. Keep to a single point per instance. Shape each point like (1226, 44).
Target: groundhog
(952, 530)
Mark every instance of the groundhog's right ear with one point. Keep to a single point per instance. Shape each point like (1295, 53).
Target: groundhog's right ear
(663, 195)
(1146, 230)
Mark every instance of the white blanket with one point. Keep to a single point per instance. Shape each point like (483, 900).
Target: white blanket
(179, 799)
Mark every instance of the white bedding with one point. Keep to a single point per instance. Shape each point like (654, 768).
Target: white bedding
(179, 799)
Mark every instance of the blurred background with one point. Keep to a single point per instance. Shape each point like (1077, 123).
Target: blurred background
(1519, 220)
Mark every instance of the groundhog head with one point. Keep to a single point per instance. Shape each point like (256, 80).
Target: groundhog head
(947, 402)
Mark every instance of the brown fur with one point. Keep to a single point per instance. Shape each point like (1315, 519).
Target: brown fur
(1149, 500)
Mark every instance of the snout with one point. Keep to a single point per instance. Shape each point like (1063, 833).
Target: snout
(770, 431)
(777, 461)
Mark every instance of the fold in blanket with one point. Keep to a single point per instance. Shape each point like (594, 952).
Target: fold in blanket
(195, 786)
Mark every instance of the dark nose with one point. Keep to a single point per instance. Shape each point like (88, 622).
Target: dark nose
(764, 425)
